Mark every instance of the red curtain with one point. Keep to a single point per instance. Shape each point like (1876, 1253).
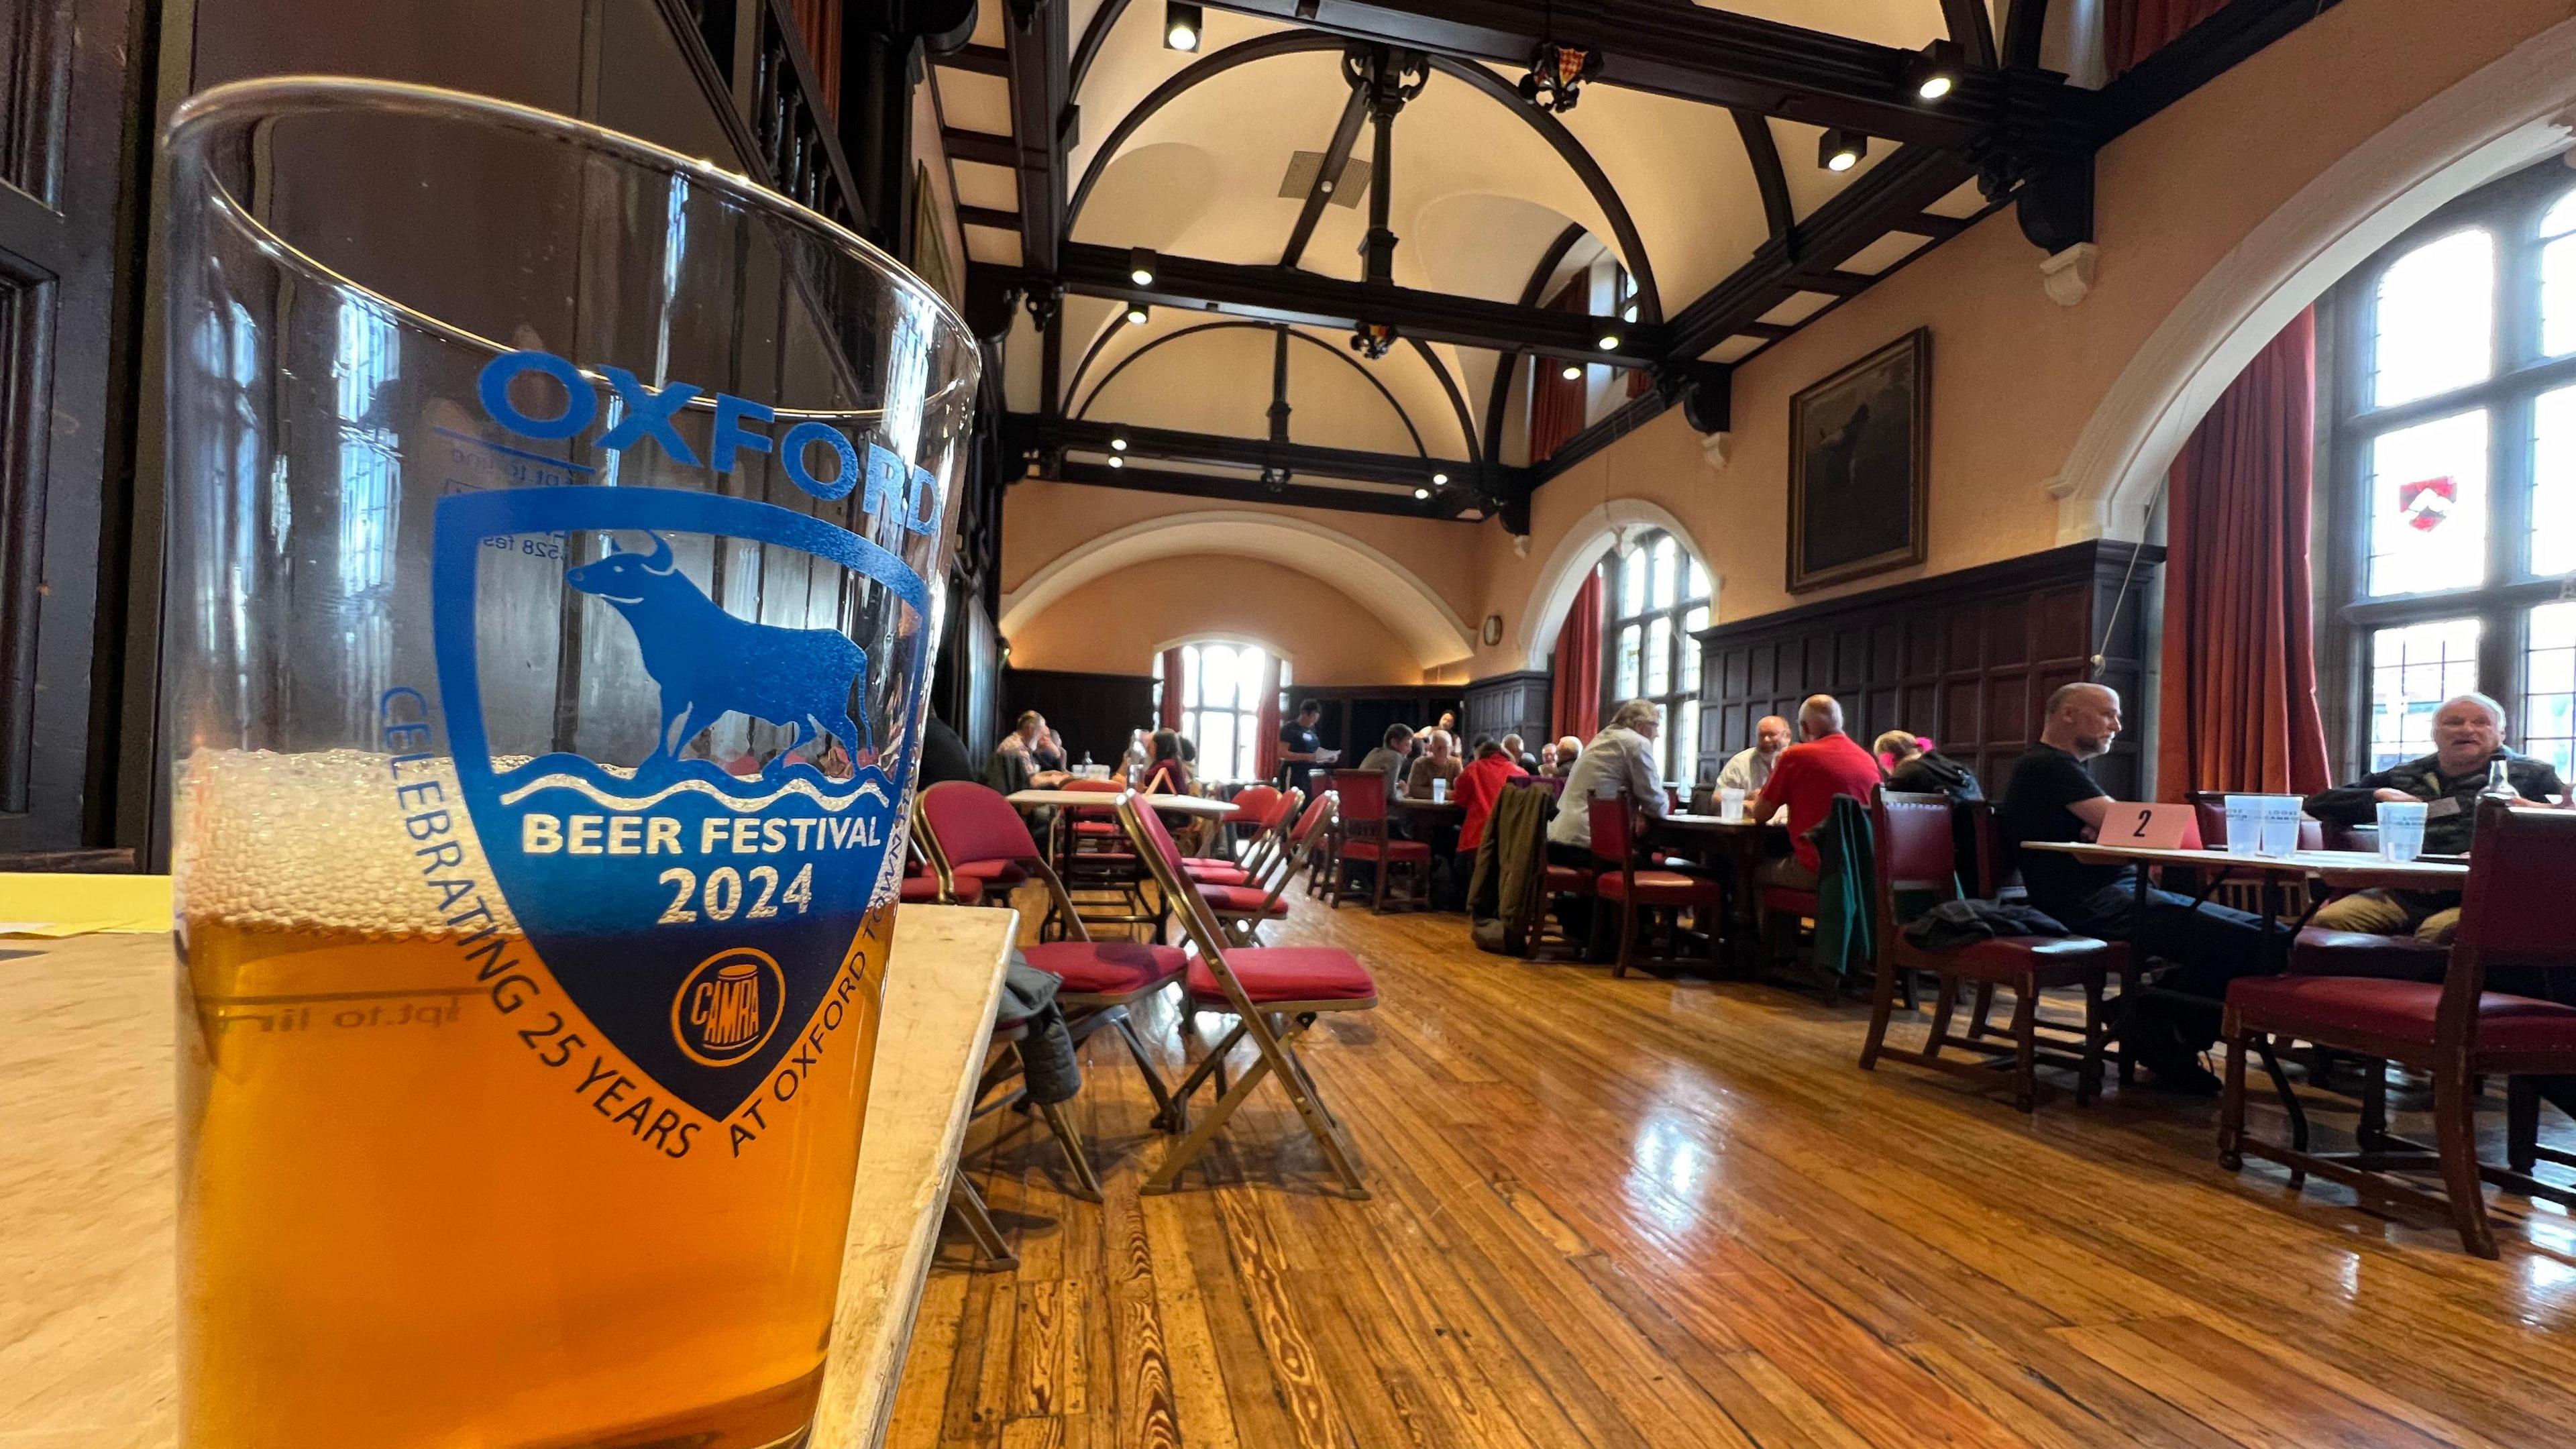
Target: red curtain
(2239, 706)
(2132, 30)
(1577, 704)
(1556, 401)
(1172, 688)
(818, 24)
(1266, 745)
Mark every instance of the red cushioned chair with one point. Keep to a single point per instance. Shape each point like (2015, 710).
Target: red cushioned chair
(1242, 909)
(1916, 852)
(1644, 892)
(959, 820)
(1275, 995)
(1094, 862)
(1267, 811)
(1366, 840)
(2512, 916)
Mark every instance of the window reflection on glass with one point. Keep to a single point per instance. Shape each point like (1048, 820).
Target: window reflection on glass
(1628, 645)
(2549, 686)
(2436, 311)
(1632, 582)
(2553, 482)
(1667, 572)
(2428, 506)
(2412, 670)
(2558, 278)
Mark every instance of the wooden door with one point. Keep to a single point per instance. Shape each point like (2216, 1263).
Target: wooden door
(69, 139)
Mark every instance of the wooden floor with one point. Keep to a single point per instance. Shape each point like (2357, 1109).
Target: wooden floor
(1676, 1213)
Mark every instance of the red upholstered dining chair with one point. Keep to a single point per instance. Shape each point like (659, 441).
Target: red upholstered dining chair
(2512, 917)
(966, 825)
(1242, 908)
(1366, 840)
(1265, 810)
(1093, 859)
(1275, 995)
(1619, 882)
(1916, 851)
(926, 883)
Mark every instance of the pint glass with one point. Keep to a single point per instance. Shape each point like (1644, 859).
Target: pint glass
(555, 531)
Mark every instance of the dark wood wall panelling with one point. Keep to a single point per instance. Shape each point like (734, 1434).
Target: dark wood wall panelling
(1506, 704)
(1094, 712)
(1356, 715)
(1967, 658)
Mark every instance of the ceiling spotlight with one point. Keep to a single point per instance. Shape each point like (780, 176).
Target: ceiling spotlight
(1573, 372)
(1181, 26)
(1439, 480)
(1556, 75)
(1140, 266)
(1934, 71)
(1117, 462)
(1841, 150)
(1421, 493)
(1609, 341)
(1118, 445)
(1137, 312)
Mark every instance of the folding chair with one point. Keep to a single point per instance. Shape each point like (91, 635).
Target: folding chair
(1275, 994)
(1264, 809)
(1092, 859)
(962, 824)
(1615, 845)
(1363, 814)
(1916, 851)
(1242, 909)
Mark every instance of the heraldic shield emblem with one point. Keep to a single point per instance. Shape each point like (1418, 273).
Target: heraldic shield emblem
(695, 911)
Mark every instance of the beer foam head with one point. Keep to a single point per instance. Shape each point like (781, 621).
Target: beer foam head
(317, 842)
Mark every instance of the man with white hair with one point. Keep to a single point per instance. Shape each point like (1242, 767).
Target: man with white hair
(2468, 742)
(1621, 757)
(1750, 769)
(2052, 797)
(1809, 774)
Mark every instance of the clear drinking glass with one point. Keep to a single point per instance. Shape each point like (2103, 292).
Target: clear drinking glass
(555, 545)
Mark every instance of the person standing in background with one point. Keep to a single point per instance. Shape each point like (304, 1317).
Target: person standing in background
(1301, 749)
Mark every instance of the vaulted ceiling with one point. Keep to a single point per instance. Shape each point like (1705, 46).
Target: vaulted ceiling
(1683, 196)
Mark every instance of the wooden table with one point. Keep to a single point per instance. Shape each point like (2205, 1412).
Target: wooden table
(1745, 844)
(87, 1317)
(1449, 809)
(2339, 869)
(1200, 805)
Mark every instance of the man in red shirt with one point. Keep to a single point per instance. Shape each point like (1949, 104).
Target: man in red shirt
(1479, 785)
(1806, 779)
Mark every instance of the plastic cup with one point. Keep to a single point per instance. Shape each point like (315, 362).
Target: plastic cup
(1439, 791)
(2244, 824)
(1730, 805)
(2401, 830)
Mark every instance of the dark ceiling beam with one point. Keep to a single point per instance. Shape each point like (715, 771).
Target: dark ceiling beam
(1938, 228)
(1762, 149)
(1319, 192)
(1972, 28)
(987, 216)
(1249, 490)
(2231, 35)
(2024, 28)
(1173, 445)
(1679, 50)
(1892, 193)
(1103, 20)
(1035, 44)
(981, 146)
(1284, 294)
(1457, 399)
(992, 60)
(1341, 355)
(1499, 396)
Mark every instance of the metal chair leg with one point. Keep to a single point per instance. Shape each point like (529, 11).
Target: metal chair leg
(1086, 1183)
(966, 1205)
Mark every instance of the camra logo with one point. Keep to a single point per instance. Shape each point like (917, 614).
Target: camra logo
(728, 1007)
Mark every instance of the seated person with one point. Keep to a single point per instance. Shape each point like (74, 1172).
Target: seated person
(1751, 766)
(1015, 765)
(1621, 757)
(1166, 772)
(1913, 766)
(1438, 761)
(1568, 750)
(2468, 738)
(2051, 797)
(1512, 746)
(1804, 782)
(1479, 785)
(1048, 750)
(1389, 758)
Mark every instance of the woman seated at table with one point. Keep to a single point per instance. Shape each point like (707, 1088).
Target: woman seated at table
(1166, 772)
(1439, 761)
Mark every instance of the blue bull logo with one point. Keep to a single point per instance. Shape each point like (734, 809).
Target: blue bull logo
(707, 663)
(644, 889)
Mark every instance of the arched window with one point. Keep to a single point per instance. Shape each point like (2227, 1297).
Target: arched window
(1221, 687)
(2450, 490)
(1656, 596)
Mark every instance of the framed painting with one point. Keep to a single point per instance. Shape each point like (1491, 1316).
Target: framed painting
(1860, 465)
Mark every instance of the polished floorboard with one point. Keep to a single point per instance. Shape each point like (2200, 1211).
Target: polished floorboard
(1674, 1212)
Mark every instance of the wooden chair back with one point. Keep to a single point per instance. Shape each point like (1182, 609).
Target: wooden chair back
(2511, 914)
(1912, 849)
